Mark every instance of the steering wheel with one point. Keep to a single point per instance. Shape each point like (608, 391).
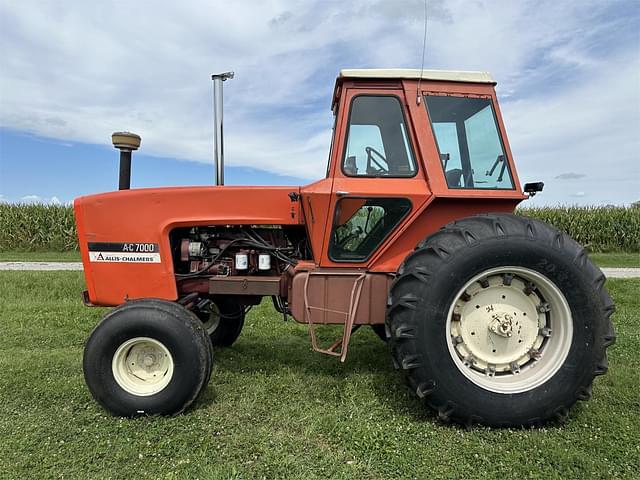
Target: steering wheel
(354, 234)
(371, 160)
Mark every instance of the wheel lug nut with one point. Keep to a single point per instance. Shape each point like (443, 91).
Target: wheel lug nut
(543, 308)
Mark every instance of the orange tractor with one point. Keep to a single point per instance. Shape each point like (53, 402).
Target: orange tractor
(492, 318)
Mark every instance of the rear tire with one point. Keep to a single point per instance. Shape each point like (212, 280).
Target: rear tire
(147, 357)
(224, 322)
(500, 320)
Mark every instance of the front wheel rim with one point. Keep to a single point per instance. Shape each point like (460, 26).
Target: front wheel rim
(142, 366)
(509, 329)
(212, 322)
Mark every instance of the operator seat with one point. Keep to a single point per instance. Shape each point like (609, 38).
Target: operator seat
(350, 167)
(453, 177)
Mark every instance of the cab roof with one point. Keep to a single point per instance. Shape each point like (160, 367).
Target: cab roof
(403, 73)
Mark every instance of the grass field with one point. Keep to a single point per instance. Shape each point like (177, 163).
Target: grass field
(16, 256)
(601, 259)
(616, 259)
(274, 409)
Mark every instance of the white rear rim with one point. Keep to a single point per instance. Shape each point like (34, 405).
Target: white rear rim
(142, 366)
(509, 329)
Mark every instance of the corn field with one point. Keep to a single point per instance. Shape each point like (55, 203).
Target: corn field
(37, 228)
(599, 229)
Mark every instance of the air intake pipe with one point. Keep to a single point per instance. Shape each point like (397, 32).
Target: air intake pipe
(218, 147)
(126, 142)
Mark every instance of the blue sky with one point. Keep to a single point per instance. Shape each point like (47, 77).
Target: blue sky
(70, 74)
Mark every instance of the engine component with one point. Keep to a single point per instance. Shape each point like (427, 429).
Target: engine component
(242, 261)
(264, 262)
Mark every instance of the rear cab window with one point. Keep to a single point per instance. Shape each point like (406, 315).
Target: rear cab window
(471, 150)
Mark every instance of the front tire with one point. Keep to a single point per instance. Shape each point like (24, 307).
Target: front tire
(147, 357)
(500, 320)
(223, 321)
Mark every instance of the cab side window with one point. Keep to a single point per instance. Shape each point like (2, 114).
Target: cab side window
(377, 140)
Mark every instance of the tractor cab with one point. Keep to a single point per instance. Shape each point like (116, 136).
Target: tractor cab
(404, 140)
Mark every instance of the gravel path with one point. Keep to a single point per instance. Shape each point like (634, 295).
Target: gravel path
(41, 266)
(621, 272)
(52, 266)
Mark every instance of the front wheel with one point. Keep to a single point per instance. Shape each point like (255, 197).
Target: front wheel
(500, 320)
(147, 357)
(223, 320)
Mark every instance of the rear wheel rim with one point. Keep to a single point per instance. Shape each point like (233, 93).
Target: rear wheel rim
(509, 329)
(142, 366)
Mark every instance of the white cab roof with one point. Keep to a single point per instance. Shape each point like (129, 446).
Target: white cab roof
(441, 75)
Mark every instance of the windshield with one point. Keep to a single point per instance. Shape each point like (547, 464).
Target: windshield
(470, 147)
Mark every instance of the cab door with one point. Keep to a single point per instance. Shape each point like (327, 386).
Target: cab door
(379, 182)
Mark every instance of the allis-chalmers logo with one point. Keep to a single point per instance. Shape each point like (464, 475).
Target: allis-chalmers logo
(124, 252)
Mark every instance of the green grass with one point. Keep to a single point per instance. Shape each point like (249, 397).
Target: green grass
(14, 256)
(616, 259)
(274, 409)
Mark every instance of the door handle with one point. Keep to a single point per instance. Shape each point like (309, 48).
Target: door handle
(341, 194)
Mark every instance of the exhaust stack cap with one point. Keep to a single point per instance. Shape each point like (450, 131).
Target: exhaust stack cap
(223, 76)
(126, 141)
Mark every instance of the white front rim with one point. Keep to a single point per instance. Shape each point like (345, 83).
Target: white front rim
(213, 322)
(509, 329)
(142, 366)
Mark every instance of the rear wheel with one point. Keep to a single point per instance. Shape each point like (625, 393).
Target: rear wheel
(223, 320)
(500, 320)
(147, 357)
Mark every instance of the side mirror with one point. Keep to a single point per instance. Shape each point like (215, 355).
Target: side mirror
(533, 188)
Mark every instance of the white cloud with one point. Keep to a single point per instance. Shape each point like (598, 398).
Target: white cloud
(569, 176)
(567, 75)
(31, 199)
(36, 199)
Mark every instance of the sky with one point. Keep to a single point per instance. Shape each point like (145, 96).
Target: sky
(73, 72)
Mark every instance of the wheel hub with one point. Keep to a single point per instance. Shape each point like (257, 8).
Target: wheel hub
(142, 366)
(501, 324)
(500, 327)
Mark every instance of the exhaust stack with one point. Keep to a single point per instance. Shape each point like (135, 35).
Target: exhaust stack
(126, 142)
(218, 147)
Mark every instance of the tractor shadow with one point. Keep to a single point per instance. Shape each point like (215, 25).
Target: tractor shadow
(287, 352)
